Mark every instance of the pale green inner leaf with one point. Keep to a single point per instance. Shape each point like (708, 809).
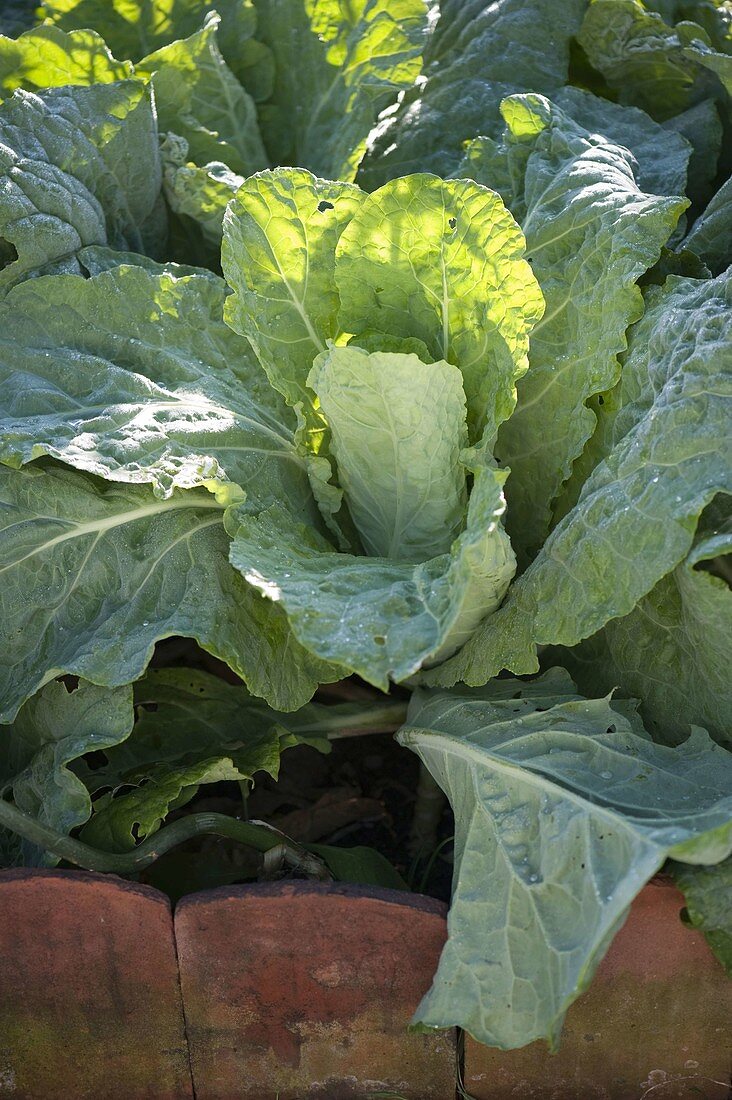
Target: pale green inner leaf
(398, 426)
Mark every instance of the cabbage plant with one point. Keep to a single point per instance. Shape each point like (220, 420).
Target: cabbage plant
(391, 341)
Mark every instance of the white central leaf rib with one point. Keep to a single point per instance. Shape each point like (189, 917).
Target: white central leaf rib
(120, 519)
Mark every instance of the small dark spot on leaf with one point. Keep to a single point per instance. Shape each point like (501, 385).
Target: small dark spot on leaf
(452, 222)
(379, 639)
(611, 729)
(324, 205)
(601, 400)
(530, 259)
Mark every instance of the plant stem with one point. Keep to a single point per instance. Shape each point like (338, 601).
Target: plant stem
(384, 719)
(259, 837)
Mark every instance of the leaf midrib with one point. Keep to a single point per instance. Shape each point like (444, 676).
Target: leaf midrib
(102, 524)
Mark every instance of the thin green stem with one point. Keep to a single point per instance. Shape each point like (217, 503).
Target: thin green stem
(384, 719)
(74, 851)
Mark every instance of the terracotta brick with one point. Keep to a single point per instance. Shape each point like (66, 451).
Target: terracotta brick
(298, 990)
(90, 1002)
(656, 1022)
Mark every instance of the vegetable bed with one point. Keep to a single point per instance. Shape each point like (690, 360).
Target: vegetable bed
(364, 370)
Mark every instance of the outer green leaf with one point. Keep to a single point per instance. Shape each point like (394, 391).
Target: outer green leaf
(715, 16)
(442, 261)
(361, 865)
(718, 63)
(278, 256)
(379, 618)
(196, 194)
(119, 821)
(711, 236)
(337, 64)
(198, 97)
(637, 513)
(78, 166)
(187, 716)
(134, 28)
(398, 428)
(661, 154)
(53, 729)
(645, 61)
(92, 575)
(134, 376)
(702, 127)
(562, 812)
(97, 259)
(46, 57)
(480, 52)
(672, 650)
(590, 234)
(708, 893)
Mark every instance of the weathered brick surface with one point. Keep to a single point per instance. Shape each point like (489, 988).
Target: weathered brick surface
(298, 990)
(90, 1002)
(295, 990)
(656, 1022)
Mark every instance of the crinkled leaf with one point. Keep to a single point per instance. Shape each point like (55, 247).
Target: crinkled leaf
(715, 16)
(198, 195)
(337, 64)
(590, 234)
(187, 716)
(480, 52)
(78, 166)
(134, 28)
(46, 57)
(708, 894)
(646, 62)
(562, 813)
(379, 618)
(398, 426)
(672, 650)
(120, 820)
(714, 62)
(278, 256)
(443, 261)
(711, 236)
(199, 98)
(133, 376)
(94, 574)
(701, 126)
(662, 155)
(637, 513)
(51, 731)
(97, 259)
